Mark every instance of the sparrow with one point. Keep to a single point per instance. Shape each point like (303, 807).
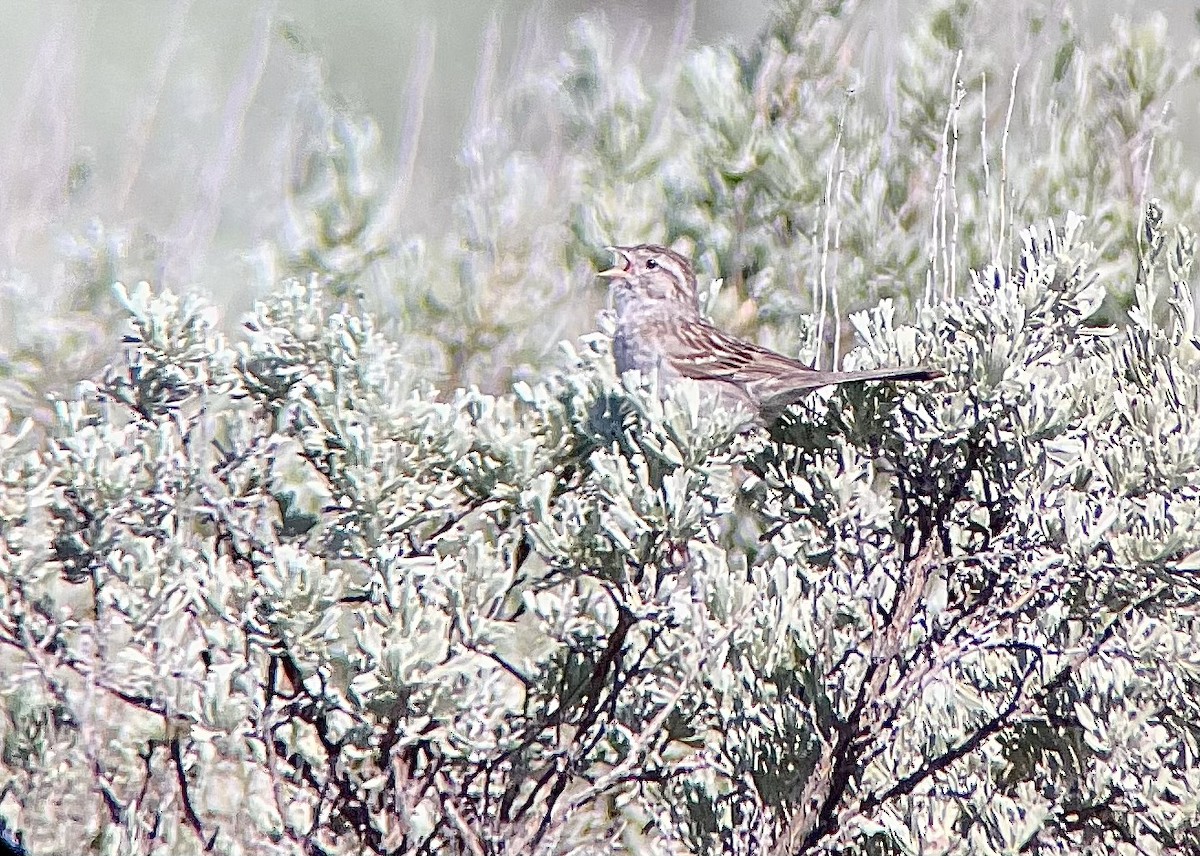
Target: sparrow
(660, 332)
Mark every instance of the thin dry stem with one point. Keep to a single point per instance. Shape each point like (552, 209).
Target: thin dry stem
(139, 128)
(420, 73)
(195, 230)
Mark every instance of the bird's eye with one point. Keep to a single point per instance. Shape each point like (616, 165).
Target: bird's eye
(651, 264)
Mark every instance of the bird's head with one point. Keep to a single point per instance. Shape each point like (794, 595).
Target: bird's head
(648, 275)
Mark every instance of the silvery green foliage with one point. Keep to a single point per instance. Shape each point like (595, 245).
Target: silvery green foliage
(889, 165)
(54, 333)
(280, 597)
(845, 156)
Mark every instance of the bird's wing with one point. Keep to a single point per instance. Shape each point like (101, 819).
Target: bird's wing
(700, 351)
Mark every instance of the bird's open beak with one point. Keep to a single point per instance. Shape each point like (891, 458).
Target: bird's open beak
(619, 270)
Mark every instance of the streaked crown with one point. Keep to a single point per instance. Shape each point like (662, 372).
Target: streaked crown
(652, 272)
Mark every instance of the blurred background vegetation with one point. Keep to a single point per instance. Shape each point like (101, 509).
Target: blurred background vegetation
(454, 170)
(388, 147)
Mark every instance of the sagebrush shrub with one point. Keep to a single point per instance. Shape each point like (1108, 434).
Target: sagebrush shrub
(308, 590)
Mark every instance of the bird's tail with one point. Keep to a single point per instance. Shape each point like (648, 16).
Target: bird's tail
(883, 374)
(798, 386)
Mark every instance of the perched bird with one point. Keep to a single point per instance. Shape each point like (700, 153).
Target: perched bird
(660, 331)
